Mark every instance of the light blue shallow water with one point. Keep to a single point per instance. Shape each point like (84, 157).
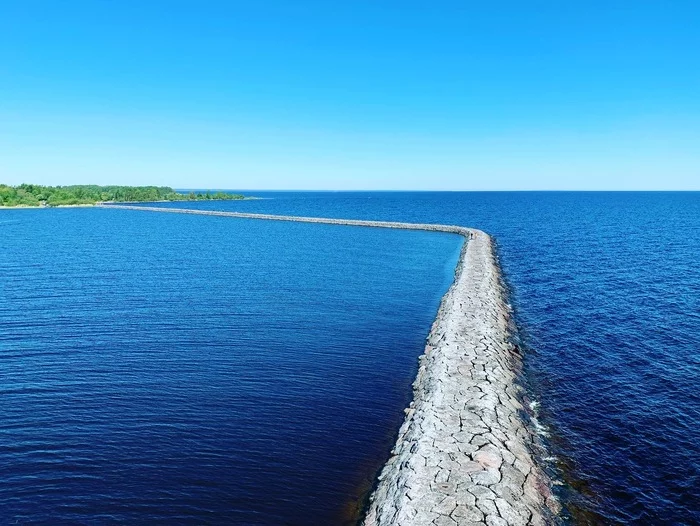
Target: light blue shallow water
(220, 370)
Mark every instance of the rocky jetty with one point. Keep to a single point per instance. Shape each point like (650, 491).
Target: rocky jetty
(464, 452)
(463, 455)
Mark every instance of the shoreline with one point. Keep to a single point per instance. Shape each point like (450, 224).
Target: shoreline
(36, 207)
(117, 203)
(464, 453)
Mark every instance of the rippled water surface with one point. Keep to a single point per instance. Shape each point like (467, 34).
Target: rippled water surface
(188, 369)
(223, 370)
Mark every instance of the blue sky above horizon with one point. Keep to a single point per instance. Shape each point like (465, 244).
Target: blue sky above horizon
(358, 95)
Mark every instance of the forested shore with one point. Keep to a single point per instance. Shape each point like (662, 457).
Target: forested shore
(38, 195)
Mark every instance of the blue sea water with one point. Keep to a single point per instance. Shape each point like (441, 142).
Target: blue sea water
(202, 369)
(187, 369)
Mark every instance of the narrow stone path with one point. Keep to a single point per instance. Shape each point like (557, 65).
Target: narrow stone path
(463, 455)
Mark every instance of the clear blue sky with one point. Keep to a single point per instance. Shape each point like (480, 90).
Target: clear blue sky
(351, 95)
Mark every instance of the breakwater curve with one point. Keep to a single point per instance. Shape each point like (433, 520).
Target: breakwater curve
(464, 454)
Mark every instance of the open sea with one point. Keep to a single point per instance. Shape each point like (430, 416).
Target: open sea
(183, 369)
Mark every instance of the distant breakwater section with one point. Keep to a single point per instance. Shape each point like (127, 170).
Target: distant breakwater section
(348, 222)
(464, 454)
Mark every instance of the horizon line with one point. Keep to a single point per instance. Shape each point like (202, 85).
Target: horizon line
(428, 191)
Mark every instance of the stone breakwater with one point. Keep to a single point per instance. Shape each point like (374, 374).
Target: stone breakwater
(463, 455)
(299, 219)
(464, 452)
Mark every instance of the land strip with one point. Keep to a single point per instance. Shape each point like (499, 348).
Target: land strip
(464, 452)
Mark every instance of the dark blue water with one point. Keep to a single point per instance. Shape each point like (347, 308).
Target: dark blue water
(607, 293)
(186, 369)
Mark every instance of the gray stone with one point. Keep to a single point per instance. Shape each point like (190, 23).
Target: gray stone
(509, 514)
(495, 520)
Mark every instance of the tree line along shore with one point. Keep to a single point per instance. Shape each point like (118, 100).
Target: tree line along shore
(38, 195)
